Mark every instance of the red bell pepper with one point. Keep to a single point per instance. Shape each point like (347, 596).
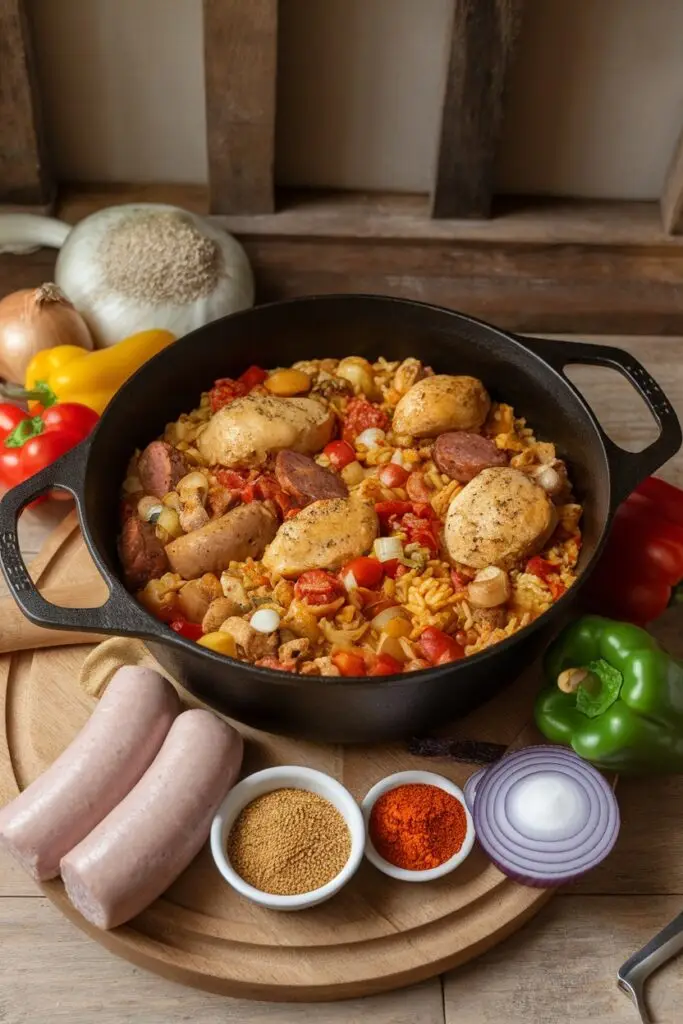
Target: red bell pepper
(30, 443)
(640, 572)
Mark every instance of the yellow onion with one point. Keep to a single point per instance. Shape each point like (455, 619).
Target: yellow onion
(34, 319)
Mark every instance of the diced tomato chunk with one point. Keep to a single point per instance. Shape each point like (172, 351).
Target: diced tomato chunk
(459, 581)
(420, 531)
(340, 454)
(541, 567)
(190, 630)
(438, 647)
(361, 414)
(252, 377)
(349, 664)
(367, 572)
(225, 391)
(392, 475)
(388, 510)
(386, 665)
(318, 587)
(394, 569)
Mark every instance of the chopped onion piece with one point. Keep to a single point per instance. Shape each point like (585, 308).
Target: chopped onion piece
(397, 457)
(265, 620)
(380, 621)
(544, 816)
(388, 548)
(350, 581)
(372, 437)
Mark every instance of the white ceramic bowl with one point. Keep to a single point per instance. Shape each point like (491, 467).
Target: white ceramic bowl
(287, 777)
(404, 779)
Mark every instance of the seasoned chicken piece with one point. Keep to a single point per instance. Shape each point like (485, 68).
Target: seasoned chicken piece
(440, 403)
(245, 432)
(499, 518)
(255, 645)
(324, 535)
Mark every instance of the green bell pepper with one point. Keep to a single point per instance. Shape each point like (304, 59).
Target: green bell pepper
(616, 697)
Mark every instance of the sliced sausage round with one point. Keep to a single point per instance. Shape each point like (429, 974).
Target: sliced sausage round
(141, 552)
(305, 480)
(160, 467)
(461, 455)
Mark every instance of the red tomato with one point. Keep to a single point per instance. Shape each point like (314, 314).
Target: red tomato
(349, 664)
(231, 479)
(420, 531)
(190, 630)
(388, 510)
(361, 414)
(438, 647)
(317, 587)
(394, 569)
(386, 665)
(367, 572)
(225, 391)
(459, 581)
(252, 377)
(424, 510)
(541, 567)
(267, 488)
(392, 475)
(339, 453)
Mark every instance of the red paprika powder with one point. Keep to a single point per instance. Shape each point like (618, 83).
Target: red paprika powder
(417, 826)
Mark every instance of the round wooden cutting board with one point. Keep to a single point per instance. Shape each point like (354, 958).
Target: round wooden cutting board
(376, 934)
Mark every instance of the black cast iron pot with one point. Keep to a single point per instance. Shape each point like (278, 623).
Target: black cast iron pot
(524, 372)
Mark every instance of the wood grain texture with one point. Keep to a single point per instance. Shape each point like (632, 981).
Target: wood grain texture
(672, 194)
(240, 66)
(25, 177)
(562, 267)
(483, 36)
(53, 973)
(561, 969)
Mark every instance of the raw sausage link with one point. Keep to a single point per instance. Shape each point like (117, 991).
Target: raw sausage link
(141, 552)
(160, 467)
(241, 533)
(461, 455)
(305, 480)
(144, 844)
(95, 772)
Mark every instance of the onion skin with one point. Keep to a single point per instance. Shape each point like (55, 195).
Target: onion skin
(35, 319)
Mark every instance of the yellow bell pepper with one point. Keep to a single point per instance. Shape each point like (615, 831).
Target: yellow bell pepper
(68, 373)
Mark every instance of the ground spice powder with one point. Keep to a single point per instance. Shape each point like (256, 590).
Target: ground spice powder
(289, 842)
(417, 826)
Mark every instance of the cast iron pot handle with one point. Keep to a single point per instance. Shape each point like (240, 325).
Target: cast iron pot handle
(628, 468)
(117, 615)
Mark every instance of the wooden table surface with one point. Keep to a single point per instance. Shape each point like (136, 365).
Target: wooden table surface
(561, 967)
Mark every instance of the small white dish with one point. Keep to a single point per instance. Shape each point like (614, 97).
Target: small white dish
(406, 779)
(287, 777)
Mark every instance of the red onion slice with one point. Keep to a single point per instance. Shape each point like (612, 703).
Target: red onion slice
(544, 816)
(470, 787)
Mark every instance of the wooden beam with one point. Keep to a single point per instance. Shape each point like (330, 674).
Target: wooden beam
(25, 178)
(672, 193)
(240, 59)
(539, 266)
(483, 37)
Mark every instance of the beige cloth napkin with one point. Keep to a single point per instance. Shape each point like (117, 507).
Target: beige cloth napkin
(101, 664)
